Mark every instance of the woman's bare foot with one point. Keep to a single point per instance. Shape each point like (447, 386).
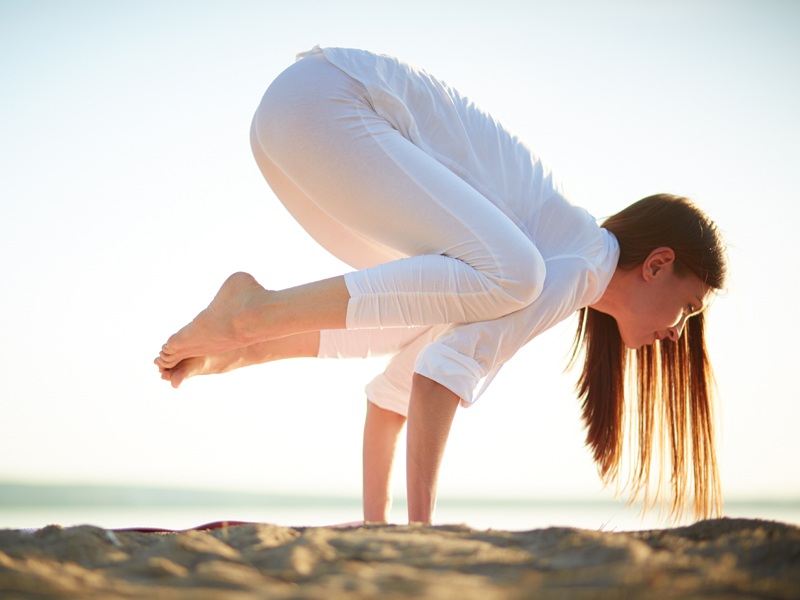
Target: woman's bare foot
(226, 324)
(197, 365)
(244, 314)
(201, 365)
(304, 345)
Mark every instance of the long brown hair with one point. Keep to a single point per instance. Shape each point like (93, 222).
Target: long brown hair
(670, 383)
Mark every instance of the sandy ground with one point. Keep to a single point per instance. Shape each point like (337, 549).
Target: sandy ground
(724, 558)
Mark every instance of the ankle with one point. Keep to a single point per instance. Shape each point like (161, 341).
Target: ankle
(254, 322)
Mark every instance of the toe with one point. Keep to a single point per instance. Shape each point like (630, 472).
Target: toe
(166, 362)
(177, 377)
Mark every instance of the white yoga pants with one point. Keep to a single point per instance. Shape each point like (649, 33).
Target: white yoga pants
(428, 247)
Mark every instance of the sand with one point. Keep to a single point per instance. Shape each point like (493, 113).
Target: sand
(722, 558)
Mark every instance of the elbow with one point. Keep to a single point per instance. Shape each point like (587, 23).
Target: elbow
(521, 285)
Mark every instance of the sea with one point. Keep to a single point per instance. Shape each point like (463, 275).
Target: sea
(31, 507)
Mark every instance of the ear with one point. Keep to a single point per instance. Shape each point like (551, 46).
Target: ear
(657, 261)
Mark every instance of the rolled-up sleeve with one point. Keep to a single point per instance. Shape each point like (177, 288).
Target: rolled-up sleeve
(466, 354)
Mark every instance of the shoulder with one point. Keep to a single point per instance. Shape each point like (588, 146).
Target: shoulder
(577, 279)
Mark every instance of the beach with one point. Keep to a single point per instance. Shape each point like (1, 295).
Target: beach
(720, 558)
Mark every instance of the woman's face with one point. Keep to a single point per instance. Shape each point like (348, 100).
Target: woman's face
(660, 307)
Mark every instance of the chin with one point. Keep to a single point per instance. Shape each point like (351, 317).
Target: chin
(635, 344)
(633, 340)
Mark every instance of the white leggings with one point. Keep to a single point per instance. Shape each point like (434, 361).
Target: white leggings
(431, 249)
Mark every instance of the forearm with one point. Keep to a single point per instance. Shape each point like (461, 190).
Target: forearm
(430, 416)
(381, 430)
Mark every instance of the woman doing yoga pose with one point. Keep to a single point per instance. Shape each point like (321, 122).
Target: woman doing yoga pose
(465, 248)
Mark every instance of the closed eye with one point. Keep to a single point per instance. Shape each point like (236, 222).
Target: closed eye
(692, 310)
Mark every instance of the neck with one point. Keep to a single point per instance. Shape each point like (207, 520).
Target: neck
(618, 290)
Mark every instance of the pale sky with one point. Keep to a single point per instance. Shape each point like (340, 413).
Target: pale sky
(128, 194)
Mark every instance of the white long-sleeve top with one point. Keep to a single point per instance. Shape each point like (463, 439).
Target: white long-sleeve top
(580, 256)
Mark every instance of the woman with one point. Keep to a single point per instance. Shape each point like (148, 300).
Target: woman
(465, 249)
